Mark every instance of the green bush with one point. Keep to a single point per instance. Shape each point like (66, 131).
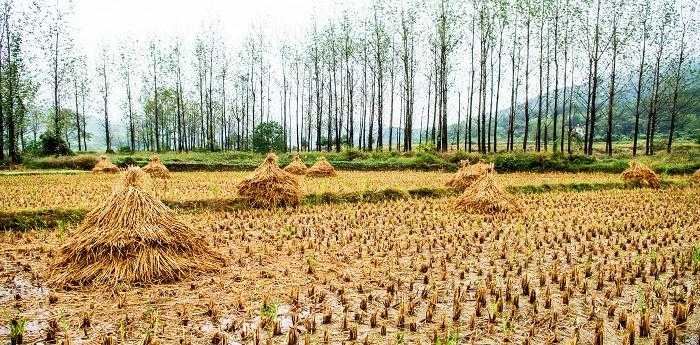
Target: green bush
(427, 147)
(351, 153)
(53, 145)
(80, 162)
(268, 136)
(126, 161)
(124, 149)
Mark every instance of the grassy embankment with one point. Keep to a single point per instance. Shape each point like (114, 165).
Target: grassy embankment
(685, 159)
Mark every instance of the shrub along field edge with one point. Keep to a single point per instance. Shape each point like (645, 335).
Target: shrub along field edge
(504, 162)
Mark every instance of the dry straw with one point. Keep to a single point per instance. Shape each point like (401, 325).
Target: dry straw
(270, 186)
(640, 175)
(321, 168)
(134, 239)
(296, 166)
(468, 174)
(486, 196)
(104, 165)
(156, 168)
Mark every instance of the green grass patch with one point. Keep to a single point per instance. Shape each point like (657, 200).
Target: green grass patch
(40, 219)
(684, 160)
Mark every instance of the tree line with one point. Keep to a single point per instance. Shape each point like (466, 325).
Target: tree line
(474, 75)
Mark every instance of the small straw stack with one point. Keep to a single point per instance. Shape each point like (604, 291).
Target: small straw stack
(270, 186)
(156, 168)
(296, 166)
(640, 175)
(321, 169)
(468, 174)
(486, 196)
(696, 177)
(133, 238)
(104, 165)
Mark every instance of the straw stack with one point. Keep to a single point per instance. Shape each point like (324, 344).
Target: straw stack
(321, 169)
(133, 238)
(486, 196)
(296, 166)
(270, 186)
(640, 175)
(156, 168)
(468, 174)
(104, 165)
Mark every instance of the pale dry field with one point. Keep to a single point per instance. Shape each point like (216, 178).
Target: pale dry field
(399, 272)
(85, 190)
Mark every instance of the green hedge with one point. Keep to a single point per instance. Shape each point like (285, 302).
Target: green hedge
(382, 161)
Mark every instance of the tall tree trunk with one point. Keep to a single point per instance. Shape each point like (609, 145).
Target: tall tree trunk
(555, 113)
(594, 86)
(611, 94)
(538, 134)
(156, 117)
(471, 94)
(527, 77)
(108, 141)
(498, 90)
(640, 79)
(674, 104)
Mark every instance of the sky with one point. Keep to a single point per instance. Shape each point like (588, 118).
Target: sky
(99, 23)
(108, 23)
(97, 20)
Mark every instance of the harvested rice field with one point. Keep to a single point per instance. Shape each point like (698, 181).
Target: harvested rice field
(85, 190)
(612, 266)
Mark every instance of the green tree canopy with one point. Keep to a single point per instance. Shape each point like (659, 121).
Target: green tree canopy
(268, 136)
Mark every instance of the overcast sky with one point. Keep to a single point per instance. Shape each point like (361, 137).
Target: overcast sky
(99, 23)
(97, 20)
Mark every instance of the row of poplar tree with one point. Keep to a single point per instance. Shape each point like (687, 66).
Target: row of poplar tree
(477, 75)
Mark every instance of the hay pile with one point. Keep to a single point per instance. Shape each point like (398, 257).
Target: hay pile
(468, 174)
(321, 168)
(103, 165)
(156, 168)
(696, 177)
(134, 239)
(296, 166)
(486, 196)
(270, 186)
(640, 175)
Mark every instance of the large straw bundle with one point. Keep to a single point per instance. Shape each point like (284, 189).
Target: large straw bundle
(270, 186)
(296, 166)
(640, 175)
(486, 196)
(321, 168)
(133, 238)
(156, 168)
(468, 174)
(103, 165)
(696, 176)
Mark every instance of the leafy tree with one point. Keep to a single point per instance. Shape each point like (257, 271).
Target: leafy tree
(268, 136)
(53, 145)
